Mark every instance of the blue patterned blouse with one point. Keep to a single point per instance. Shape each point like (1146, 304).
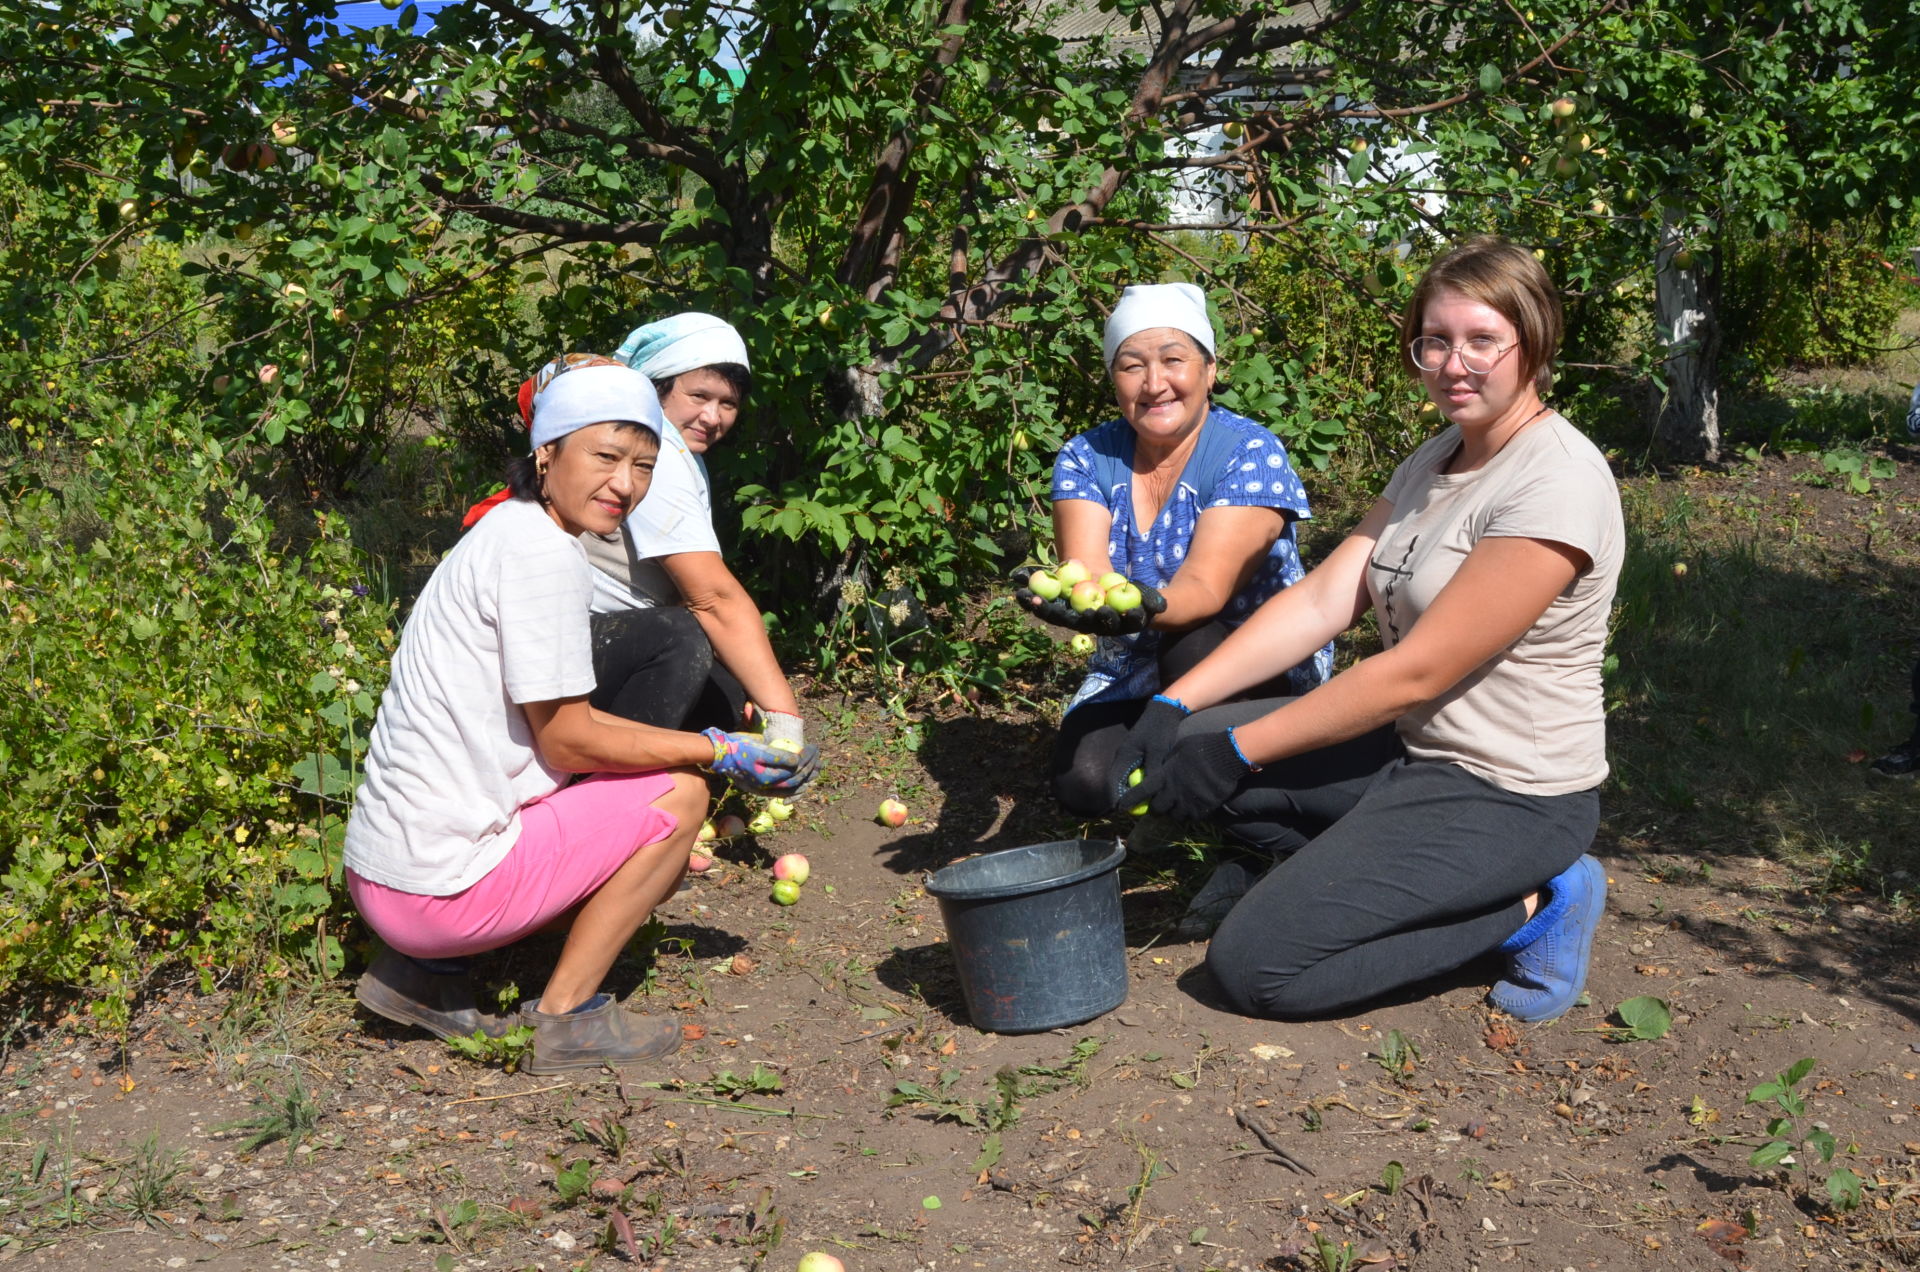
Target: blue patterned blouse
(1255, 473)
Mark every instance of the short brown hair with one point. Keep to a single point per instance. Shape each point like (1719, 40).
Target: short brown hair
(1506, 278)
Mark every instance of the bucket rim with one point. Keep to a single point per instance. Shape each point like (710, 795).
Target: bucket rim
(1000, 892)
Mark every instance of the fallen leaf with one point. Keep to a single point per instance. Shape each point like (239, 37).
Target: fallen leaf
(693, 1033)
(948, 1047)
(1475, 1130)
(1500, 1035)
(742, 965)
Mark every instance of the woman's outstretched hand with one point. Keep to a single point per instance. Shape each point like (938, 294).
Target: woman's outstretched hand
(1101, 620)
(1199, 775)
(760, 767)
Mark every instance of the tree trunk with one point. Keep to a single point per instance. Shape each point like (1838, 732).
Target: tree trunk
(1687, 292)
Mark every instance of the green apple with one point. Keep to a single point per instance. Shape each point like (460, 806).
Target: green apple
(1111, 579)
(1563, 107)
(1082, 644)
(792, 867)
(892, 813)
(1086, 595)
(785, 892)
(1123, 596)
(1072, 572)
(817, 1261)
(1133, 780)
(779, 809)
(761, 824)
(1043, 585)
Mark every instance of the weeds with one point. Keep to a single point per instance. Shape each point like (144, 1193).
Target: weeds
(508, 1051)
(1001, 1109)
(1791, 1133)
(149, 1182)
(1398, 1056)
(290, 1116)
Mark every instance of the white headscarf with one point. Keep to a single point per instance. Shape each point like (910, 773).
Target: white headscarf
(684, 342)
(597, 393)
(1145, 306)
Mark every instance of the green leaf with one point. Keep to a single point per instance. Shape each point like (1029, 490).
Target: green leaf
(1490, 78)
(1769, 1155)
(1845, 1190)
(1646, 1017)
(930, 1203)
(989, 1153)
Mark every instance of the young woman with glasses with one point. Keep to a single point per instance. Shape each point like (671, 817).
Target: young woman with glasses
(1433, 802)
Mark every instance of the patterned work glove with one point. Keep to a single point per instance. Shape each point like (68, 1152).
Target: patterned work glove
(759, 767)
(1145, 747)
(1200, 775)
(781, 727)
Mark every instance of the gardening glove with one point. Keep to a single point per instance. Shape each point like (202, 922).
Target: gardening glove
(1145, 747)
(781, 727)
(758, 767)
(1200, 775)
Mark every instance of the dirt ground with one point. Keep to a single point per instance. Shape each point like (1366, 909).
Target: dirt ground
(1426, 1132)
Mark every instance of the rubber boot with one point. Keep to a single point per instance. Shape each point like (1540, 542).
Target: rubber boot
(441, 1003)
(599, 1031)
(1547, 958)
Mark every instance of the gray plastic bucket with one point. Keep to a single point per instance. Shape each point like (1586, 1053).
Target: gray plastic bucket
(1036, 933)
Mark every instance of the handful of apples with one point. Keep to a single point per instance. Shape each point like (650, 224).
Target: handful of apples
(1069, 596)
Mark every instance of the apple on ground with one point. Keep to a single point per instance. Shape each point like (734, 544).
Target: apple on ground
(785, 892)
(1082, 644)
(707, 833)
(779, 809)
(761, 824)
(792, 866)
(1086, 595)
(892, 813)
(729, 826)
(819, 1261)
(1043, 585)
(1071, 573)
(699, 862)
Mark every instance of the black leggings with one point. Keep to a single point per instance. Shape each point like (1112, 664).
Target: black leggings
(1399, 870)
(656, 666)
(1090, 735)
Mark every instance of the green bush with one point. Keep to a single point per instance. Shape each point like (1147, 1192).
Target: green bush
(1813, 298)
(183, 701)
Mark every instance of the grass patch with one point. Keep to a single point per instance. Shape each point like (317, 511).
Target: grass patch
(1760, 657)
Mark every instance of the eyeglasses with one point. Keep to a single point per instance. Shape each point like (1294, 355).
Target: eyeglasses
(1477, 355)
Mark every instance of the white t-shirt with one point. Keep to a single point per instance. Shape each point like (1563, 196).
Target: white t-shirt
(503, 621)
(676, 516)
(1532, 719)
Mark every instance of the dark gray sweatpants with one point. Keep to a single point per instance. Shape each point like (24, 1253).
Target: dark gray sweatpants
(1396, 870)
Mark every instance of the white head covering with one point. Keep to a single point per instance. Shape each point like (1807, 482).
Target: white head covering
(684, 342)
(1145, 306)
(596, 393)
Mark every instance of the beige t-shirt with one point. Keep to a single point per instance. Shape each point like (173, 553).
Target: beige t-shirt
(1532, 719)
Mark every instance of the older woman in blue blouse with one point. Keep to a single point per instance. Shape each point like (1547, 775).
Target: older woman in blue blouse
(1179, 495)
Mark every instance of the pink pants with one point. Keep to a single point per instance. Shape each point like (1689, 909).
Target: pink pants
(571, 842)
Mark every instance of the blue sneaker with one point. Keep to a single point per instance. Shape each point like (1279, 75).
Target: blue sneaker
(1547, 957)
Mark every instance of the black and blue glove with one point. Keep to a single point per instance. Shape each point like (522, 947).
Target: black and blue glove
(1201, 773)
(1146, 746)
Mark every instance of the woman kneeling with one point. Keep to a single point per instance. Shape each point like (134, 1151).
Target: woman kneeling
(1437, 798)
(466, 835)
